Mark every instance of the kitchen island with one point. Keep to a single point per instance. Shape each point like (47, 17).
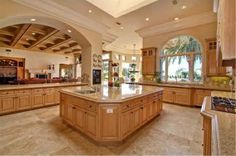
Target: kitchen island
(110, 114)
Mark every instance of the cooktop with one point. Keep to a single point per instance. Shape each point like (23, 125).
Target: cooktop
(223, 104)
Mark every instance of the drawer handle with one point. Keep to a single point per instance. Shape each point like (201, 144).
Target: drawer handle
(90, 106)
(73, 108)
(127, 106)
(153, 101)
(141, 107)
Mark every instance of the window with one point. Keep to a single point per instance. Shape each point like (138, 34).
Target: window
(117, 57)
(123, 58)
(181, 60)
(106, 56)
(133, 58)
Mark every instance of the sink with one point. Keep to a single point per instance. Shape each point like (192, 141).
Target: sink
(85, 91)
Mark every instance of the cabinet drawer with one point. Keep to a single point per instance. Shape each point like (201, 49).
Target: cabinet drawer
(3, 93)
(126, 106)
(90, 106)
(37, 91)
(23, 91)
(204, 92)
(49, 90)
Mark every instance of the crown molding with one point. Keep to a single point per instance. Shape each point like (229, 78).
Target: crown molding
(187, 22)
(61, 12)
(109, 38)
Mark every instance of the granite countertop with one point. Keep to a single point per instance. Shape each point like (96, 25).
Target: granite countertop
(45, 85)
(223, 129)
(105, 94)
(197, 86)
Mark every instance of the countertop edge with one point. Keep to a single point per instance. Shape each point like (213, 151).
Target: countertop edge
(181, 86)
(49, 85)
(109, 101)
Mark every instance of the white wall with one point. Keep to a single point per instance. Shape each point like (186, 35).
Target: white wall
(38, 61)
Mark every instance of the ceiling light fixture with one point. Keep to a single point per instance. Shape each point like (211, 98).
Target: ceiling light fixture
(27, 39)
(184, 7)
(33, 33)
(69, 31)
(122, 28)
(90, 11)
(147, 19)
(32, 19)
(176, 18)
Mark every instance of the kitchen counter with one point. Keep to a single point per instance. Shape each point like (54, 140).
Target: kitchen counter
(206, 87)
(45, 85)
(223, 127)
(107, 94)
(110, 114)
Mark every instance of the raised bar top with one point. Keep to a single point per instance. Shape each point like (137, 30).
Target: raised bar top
(105, 94)
(45, 85)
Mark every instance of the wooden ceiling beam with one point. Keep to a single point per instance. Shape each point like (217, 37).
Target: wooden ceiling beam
(73, 51)
(4, 32)
(47, 36)
(73, 45)
(38, 31)
(5, 39)
(59, 43)
(20, 33)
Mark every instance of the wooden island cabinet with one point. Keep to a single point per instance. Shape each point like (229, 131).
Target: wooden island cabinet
(107, 121)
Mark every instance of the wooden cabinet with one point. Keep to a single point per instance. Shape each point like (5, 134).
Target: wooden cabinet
(23, 101)
(226, 30)
(177, 95)
(37, 98)
(7, 104)
(212, 68)
(149, 61)
(49, 96)
(207, 135)
(199, 95)
(109, 122)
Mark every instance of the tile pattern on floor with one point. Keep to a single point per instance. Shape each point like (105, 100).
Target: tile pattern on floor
(176, 132)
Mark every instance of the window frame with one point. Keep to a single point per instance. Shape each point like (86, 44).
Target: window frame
(191, 61)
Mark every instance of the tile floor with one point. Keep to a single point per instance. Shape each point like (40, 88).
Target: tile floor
(176, 132)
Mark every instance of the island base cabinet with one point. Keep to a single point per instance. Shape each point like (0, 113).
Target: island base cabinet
(24, 102)
(109, 117)
(207, 134)
(109, 122)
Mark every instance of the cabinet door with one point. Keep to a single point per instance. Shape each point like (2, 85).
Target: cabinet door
(159, 105)
(24, 101)
(57, 96)
(182, 96)
(211, 62)
(136, 118)
(154, 107)
(109, 122)
(90, 121)
(49, 98)
(144, 112)
(70, 113)
(168, 95)
(126, 123)
(79, 118)
(37, 99)
(144, 65)
(7, 104)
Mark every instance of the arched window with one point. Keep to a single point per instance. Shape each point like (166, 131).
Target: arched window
(181, 60)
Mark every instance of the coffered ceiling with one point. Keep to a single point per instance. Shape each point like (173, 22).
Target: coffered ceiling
(38, 37)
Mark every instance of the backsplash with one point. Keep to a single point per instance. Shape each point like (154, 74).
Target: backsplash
(219, 81)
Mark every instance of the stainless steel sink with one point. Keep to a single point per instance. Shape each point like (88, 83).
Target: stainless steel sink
(85, 91)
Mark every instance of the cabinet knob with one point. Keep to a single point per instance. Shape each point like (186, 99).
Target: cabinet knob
(90, 106)
(141, 107)
(127, 106)
(73, 108)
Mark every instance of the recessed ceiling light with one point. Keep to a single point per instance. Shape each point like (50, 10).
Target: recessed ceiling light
(176, 18)
(27, 39)
(122, 28)
(90, 11)
(69, 31)
(184, 7)
(32, 19)
(147, 19)
(33, 33)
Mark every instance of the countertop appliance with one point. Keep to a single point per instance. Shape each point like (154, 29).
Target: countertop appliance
(223, 104)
